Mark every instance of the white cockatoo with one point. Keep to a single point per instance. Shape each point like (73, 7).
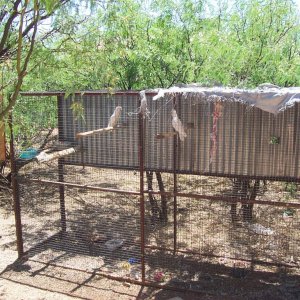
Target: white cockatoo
(177, 125)
(143, 108)
(113, 121)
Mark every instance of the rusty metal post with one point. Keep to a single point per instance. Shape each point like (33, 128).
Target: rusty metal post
(16, 191)
(2, 136)
(142, 195)
(175, 145)
(61, 167)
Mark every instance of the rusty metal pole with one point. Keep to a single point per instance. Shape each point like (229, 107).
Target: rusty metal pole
(61, 168)
(142, 195)
(2, 136)
(16, 191)
(175, 145)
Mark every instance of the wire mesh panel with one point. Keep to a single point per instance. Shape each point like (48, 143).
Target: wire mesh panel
(217, 217)
(219, 255)
(206, 227)
(73, 175)
(75, 214)
(84, 113)
(40, 208)
(35, 123)
(108, 224)
(159, 137)
(224, 138)
(102, 234)
(136, 199)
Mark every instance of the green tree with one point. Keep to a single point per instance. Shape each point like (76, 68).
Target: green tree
(261, 43)
(131, 44)
(19, 30)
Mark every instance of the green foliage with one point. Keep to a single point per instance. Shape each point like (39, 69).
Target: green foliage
(130, 45)
(274, 140)
(33, 116)
(50, 5)
(78, 110)
(291, 188)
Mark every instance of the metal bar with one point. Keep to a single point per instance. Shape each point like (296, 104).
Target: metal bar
(61, 168)
(16, 191)
(170, 194)
(296, 139)
(90, 93)
(227, 199)
(2, 136)
(189, 172)
(62, 196)
(175, 157)
(75, 185)
(142, 195)
(82, 153)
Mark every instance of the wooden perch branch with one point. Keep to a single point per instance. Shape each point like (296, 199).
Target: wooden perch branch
(92, 132)
(45, 157)
(164, 135)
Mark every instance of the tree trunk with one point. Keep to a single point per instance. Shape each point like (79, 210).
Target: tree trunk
(155, 211)
(233, 210)
(243, 190)
(248, 208)
(164, 211)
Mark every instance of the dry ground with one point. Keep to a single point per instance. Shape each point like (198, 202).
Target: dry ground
(203, 227)
(28, 280)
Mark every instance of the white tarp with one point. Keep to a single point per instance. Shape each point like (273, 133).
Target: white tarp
(267, 97)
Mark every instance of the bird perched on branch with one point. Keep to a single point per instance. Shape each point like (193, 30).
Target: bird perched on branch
(113, 121)
(143, 108)
(177, 125)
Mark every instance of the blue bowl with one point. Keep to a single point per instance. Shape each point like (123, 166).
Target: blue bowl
(132, 260)
(29, 153)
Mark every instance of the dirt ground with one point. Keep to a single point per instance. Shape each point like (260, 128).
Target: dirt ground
(26, 280)
(203, 227)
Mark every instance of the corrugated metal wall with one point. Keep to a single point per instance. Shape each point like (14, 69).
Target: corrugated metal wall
(244, 137)
(113, 149)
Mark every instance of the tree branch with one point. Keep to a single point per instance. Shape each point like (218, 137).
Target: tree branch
(20, 39)
(8, 25)
(22, 70)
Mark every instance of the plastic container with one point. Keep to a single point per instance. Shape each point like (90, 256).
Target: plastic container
(29, 153)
